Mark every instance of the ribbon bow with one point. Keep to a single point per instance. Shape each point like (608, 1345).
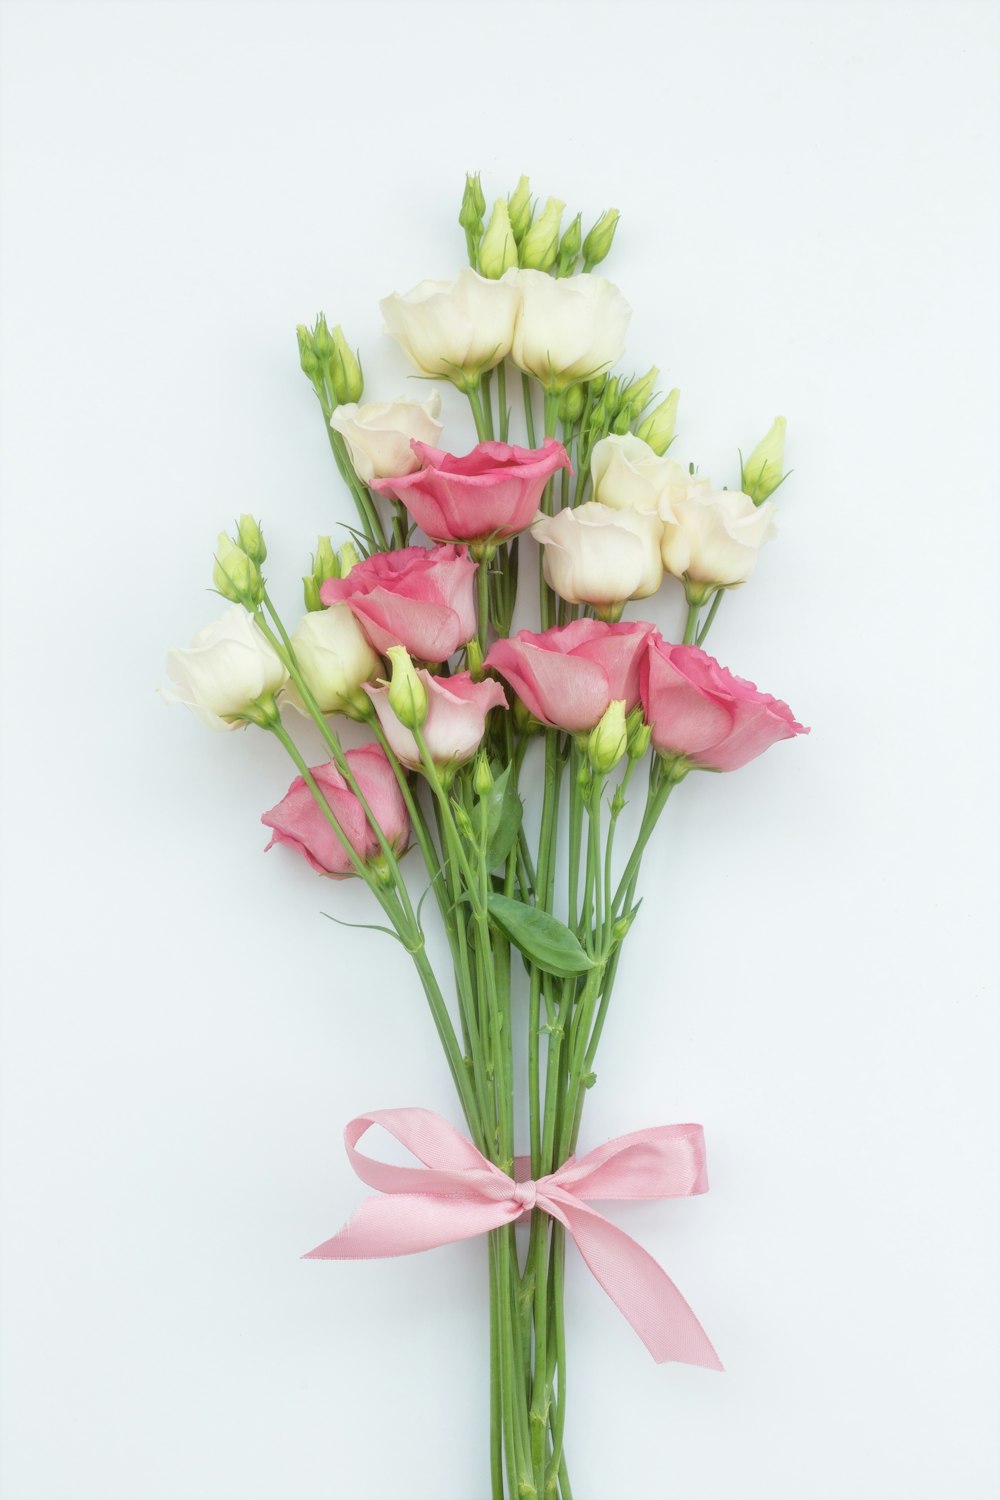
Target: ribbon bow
(458, 1194)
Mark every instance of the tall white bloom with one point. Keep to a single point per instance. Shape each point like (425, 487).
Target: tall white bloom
(599, 556)
(456, 328)
(628, 474)
(713, 536)
(229, 668)
(378, 434)
(569, 328)
(335, 658)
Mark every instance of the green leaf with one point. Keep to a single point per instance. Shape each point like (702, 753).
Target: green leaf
(543, 939)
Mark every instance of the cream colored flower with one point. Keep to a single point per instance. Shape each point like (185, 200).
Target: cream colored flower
(378, 434)
(599, 556)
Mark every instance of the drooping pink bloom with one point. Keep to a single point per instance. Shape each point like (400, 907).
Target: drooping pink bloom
(567, 676)
(490, 494)
(699, 710)
(299, 821)
(419, 597)
(456, 718)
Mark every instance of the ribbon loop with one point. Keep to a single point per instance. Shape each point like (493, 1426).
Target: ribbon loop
(457, 1194)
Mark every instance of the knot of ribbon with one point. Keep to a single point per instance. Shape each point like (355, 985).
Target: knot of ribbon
(458, 1194)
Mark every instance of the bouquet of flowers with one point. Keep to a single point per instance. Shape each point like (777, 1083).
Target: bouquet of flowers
(409, 629)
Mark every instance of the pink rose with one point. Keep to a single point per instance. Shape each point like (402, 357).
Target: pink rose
(569, 675)
(299, 821)
(700, 711)
(490, 494)
(455, 723)
(419, 597)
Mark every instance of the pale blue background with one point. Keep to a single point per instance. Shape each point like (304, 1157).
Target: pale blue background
(809, 203)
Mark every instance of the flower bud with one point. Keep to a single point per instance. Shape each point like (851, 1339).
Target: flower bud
(324, 566)
(524, 721)
(540, 246)
(407, 694)
(637, 395)
(622, 422)
(235, 575)
(638, 740)
(569, 249)
(474, 659)
(498, 250)
(598, 241)
(307, 354)
(463, 822)
(482, 776)
(519, 209)
(763, 471)
(658, 428)
(343, 371)
(322, 339)
(608, 740)
(470, 215)
(349, 558)
(572, 403)
(248, 534)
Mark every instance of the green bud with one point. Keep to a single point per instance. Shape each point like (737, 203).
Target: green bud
(764, 470)
(482, 776)
(620, 928)
(474, 659)
(470, 215)
(622, 422)
(325, 564)
(322, 340)
(498, 249)
(638, 740)
(307, 354)
(584, 778)
(519, 209)
(250, 538)
(569, 248)
(407, 694)
(235, 575)
(608, 740)
(349, 558)
(524, 722)
(344, 373)
(540, 246)
(637, 395)
(572, 403)
(659, 427)
(310, 593)
(598, 241)
(463, 822)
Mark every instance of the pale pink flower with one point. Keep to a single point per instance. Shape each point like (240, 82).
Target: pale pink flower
(300, 822)
(419, 597)
(568, 676)
(456, 718)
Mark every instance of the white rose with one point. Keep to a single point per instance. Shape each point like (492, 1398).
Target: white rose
(230, 666)
(713, 536)
(456, 328)
(378, 434)
(569, 328)
(628, 474)
(596, 555)
(335, 658)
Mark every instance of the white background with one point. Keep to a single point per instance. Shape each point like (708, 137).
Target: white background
(809, 225)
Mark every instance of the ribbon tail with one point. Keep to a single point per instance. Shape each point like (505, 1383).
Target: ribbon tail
(405, 1223)
(639, 1287)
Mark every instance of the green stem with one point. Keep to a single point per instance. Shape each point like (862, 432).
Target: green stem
(503, 411)
(484, 427)
(703, 632)
(691, 628)
(529, 412)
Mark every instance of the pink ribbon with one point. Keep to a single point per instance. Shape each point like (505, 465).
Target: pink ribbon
(458, 1194)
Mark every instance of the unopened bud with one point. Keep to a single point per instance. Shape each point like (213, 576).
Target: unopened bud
(407, 694)
(498, 250)
(349, 558)
(523, 719)
(325, 564)
(608, 739)
(569, 249)
(470, 215)
(659, 427)
(322, 339)
(519, 209)
(307, 354)
(638, 740)
(251, 539)
(540, 246)
(637, 395)
(344, 371)
(572, 403)
(765, 468)
(463, 822)
(474, 659)
(482, 776)
(599, 240)
(235, 575)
